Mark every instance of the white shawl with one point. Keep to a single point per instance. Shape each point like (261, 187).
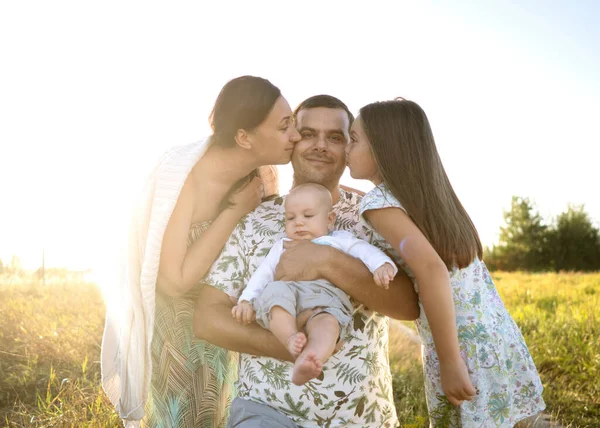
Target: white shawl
(126, 360)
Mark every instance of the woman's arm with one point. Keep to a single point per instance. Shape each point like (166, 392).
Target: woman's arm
(181, 267)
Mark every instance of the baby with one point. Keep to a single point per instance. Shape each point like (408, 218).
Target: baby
(308, 216)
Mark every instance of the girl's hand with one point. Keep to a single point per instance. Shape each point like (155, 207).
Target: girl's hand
(455, 381)
(383, 275)
(247, 198)
(243, 312)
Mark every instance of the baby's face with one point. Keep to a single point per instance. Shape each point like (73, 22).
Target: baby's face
(306, 217)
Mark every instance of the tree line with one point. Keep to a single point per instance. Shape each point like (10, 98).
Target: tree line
(570, 242)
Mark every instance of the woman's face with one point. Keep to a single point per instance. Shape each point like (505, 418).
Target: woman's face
(274, 139)
(359, 156)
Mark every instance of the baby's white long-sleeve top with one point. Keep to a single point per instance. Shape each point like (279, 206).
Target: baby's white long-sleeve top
(344, 241)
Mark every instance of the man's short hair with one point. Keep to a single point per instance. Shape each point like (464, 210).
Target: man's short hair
(326, 101)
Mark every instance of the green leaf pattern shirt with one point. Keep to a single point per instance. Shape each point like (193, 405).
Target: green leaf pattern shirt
(355, 388)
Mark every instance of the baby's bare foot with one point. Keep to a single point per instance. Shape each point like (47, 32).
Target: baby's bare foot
(295, 344)
(307, 367)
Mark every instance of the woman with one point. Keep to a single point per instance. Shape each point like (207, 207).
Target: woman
(194, 199)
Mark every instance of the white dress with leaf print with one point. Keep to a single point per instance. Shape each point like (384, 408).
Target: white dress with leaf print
(499, 363)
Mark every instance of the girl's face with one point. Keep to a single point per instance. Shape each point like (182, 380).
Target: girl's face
(359, 156)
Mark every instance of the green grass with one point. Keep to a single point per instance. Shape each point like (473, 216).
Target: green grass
(559, 316)
(50, 347)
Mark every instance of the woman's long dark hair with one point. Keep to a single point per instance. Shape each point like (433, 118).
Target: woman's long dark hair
(243, 103)
(409, 164)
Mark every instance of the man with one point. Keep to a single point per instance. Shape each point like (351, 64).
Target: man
(355, 388)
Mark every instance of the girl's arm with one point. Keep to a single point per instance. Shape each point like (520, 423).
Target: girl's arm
(430, 272)
(434, 291)
(181, 268)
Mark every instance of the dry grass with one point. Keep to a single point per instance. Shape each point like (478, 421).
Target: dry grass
(50, 346)
(49, 363)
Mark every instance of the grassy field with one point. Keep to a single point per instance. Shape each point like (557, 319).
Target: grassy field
(50, 346)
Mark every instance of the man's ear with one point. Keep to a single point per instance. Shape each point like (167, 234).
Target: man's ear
(331, 219)
(242, 139)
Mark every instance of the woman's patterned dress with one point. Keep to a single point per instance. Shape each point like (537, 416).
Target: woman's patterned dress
(192, 380)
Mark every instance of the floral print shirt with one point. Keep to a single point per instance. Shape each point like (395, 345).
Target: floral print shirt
(355, 387)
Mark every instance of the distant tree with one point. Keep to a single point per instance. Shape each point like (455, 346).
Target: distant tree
(574, 241)
(1, 267)
(15, 264)
(523, 240)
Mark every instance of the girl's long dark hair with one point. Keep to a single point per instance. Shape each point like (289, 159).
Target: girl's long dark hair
(409, 164)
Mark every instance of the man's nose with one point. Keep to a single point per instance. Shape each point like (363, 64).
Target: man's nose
(321, 143)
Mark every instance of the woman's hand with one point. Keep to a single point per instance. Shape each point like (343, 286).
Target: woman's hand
(270, 178)
(456, 383)
(247, 198)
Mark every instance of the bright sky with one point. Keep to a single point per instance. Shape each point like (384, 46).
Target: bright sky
(92, 93)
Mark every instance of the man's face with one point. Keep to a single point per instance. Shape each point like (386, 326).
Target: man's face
(319, 156)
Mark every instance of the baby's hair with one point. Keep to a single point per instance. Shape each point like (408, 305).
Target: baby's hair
(321, 191)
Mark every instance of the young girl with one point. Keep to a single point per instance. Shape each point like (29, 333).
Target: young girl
(478, 370)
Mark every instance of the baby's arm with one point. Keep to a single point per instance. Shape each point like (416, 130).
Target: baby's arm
(435, 294)
(265, 273)
(384, 274)
(381, 266)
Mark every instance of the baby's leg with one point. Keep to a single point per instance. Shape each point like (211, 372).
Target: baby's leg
(323, 332)
(283, 326)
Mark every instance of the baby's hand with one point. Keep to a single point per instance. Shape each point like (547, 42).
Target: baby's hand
(243, 312)
(456, 383)
(383, 275)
